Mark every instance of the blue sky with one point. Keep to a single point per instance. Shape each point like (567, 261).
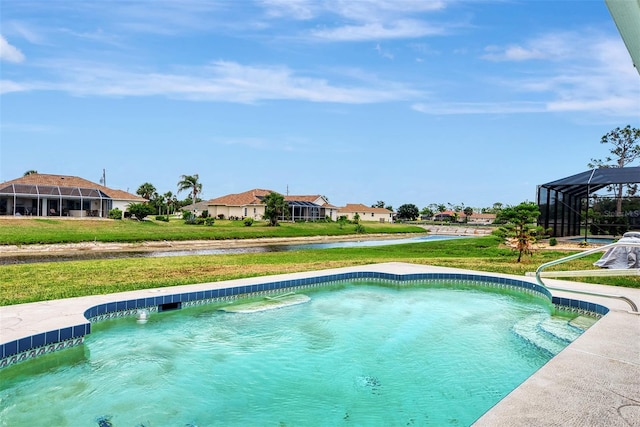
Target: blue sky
(461, 102)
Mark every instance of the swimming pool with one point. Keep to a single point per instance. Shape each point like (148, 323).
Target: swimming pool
(383, 359)
(594, 240)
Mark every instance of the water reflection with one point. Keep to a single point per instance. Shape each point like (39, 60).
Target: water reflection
(25, 259)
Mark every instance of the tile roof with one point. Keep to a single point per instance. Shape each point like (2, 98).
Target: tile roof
(250, 197)
(70, 181)
(359, 207)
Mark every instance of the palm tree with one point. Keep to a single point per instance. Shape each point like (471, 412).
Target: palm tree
(146, 190)
(167, 196)
(274, 207)
(190, 182)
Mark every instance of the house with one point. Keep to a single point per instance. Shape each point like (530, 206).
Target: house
(249, 204)
(365, 213)
(41, 194)
(196, 208)
(482, 218)
(474, 218)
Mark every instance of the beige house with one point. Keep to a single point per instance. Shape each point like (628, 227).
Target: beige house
(41, 194)
(249, 205)
(474, 218)
(366, 213)
(481, 218)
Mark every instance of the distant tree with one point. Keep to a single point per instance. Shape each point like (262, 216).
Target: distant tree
(168, 199)
(356, 218)
(141, 210)
(30, 172)
(426, 211)
(408, 211)
(275, 207)
(382, 205)
(468, 211)
(520, 225)
(626, 149)
(146, 191)
(190, 183)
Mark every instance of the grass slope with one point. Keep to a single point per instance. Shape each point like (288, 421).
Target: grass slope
(46, 281)
(25, 231)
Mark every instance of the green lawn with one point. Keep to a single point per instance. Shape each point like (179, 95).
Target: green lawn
(26, 231)
(46, 281)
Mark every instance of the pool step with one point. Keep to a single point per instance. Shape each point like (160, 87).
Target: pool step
(268, 303)
(549, 334)
(583, 322)
(561, 329)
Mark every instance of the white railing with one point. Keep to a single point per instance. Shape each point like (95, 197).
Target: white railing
(586, 273)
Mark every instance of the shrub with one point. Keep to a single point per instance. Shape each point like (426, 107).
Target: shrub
(188, 217)
(115, 213)
(141, 210)
(220, 216)
(359, 228)
(164, 218)
(553, 241)
(209, 220)
(248, 221)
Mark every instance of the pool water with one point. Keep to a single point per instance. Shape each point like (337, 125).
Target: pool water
(357, 355)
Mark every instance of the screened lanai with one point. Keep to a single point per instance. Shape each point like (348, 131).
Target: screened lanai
(53, 200)
(304, 211)
(562, 202)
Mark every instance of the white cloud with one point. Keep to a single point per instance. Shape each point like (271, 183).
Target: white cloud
(224, 82)
(377, 31)
(552, 46)
(373, 10)
(9, 53)
(449, 108)
(383, 52)
(292, 9)
(586, 73)
(360, 20)
(7, 86)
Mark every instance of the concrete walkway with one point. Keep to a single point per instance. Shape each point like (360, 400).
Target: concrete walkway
(595, 381)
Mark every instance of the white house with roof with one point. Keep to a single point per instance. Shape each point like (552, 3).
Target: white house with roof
(249, 205)
(474, 218)
(366, 213)
(39, 194)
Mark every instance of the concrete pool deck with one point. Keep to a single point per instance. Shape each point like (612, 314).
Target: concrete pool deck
(594, 381)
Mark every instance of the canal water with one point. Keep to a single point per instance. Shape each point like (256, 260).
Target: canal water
(51, 257)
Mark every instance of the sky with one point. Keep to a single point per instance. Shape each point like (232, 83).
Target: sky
(453, 102)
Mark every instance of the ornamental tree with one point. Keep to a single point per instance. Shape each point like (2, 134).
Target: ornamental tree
(521, 226)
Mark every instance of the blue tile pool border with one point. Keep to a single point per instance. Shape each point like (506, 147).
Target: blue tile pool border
(46, 342)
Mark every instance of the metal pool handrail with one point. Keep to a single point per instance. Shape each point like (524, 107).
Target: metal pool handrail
(621, 272)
